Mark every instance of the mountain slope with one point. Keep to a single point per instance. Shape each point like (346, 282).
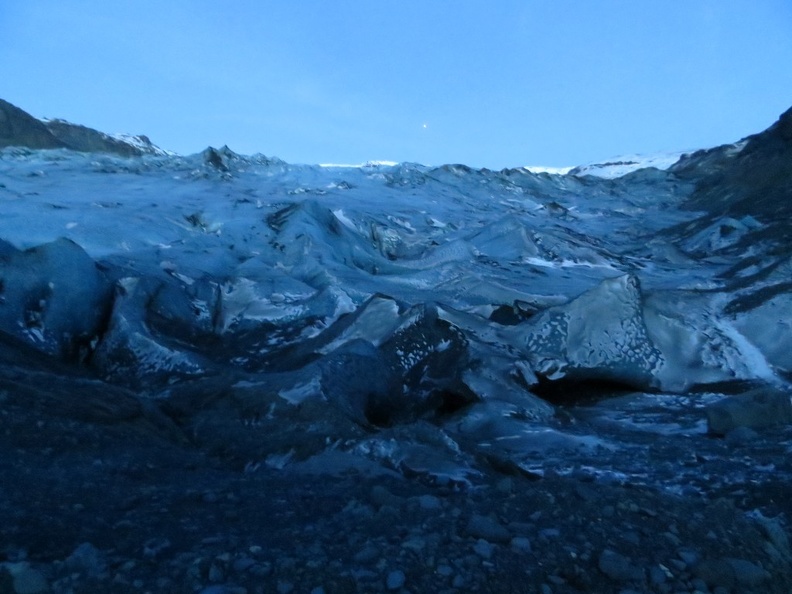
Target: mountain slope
(84, 139)
(755, 179)
(20, 129)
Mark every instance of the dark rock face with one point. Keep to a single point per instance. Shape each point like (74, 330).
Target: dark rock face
(18, 128)
(212, 157)
(754, 180)
(88, 140)
(221, 159)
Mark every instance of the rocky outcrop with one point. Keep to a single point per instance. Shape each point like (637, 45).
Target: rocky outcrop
(18, 128)
(88, 140)
(219, 158)
(753, 178)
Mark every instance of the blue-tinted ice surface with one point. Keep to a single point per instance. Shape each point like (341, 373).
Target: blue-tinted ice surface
(389, 294)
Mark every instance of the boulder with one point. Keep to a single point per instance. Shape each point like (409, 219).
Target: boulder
(54, 298)
(487, 528)
(730, 572)
(758, 408)
(619, 568)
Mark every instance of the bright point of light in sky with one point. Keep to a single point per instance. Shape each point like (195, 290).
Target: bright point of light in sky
(506, 83)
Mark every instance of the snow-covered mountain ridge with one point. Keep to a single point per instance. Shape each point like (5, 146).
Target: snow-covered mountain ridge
(619, 166)
(616, 166)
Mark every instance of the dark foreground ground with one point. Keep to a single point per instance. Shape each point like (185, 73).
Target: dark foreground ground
(123, 506)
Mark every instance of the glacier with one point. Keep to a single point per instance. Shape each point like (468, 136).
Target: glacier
(511, 335)
(448, 378)
(395, 293)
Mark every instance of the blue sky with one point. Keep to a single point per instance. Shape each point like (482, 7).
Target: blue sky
(497, 84)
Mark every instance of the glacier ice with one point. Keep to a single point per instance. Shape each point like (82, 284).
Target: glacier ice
(356, 303)
(53, 296)
(600, 335)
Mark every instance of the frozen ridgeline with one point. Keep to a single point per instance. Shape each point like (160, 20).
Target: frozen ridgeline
(421, 317)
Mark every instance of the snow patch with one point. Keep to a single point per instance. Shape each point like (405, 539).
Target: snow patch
(550, 170)
(620, 166)
(366, 165)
